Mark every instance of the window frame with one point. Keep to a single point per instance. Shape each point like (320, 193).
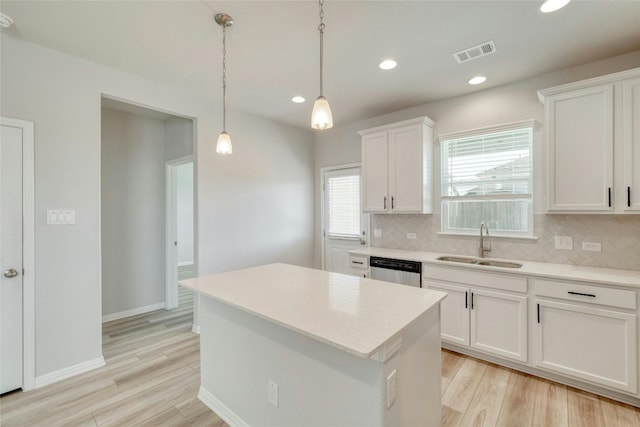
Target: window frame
(528, 197)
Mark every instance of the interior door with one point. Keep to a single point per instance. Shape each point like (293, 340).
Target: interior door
(345, 227)
(11, 368)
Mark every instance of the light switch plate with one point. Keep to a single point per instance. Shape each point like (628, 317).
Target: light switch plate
(411, 236)
(377, 232)
(61, 216)
(564, 242)
(592, 246)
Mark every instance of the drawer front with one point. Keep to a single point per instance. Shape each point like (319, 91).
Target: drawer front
(359, 261)
(586, 293)
(476, 278)
(360, 272)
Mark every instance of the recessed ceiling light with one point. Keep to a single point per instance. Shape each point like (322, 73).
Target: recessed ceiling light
(298, 99)
(553, 5)
(477, 80)
(5, 21)
(388, 64)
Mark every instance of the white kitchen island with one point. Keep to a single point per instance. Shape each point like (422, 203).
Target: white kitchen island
(290, 346)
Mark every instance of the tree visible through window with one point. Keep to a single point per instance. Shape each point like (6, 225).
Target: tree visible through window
(487, 177)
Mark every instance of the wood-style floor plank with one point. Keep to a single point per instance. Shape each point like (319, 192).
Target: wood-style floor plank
(152, 377)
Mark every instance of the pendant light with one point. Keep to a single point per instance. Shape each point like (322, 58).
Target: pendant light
(321, 115)
(224, 140)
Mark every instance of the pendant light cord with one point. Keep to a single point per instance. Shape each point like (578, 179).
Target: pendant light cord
(224, 77)
(321, 29)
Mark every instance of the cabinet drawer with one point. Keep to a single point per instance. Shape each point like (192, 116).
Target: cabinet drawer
(586, 293)
(476, 278)
(359, 261)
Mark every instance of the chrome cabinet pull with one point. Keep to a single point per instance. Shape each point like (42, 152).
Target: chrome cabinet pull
(581, 294)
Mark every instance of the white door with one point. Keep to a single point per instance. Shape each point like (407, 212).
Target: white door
(11, 368)
(499, 324)
(454, 312)
(344, 225)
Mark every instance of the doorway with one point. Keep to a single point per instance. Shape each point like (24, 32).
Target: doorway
(17, 259)
(344, 226)
(179, 231)
(137, 145)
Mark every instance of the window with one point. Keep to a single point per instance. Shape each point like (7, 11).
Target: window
(487, 177)
(343, 204)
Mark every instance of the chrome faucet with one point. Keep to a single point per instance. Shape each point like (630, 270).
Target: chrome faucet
(484, 248)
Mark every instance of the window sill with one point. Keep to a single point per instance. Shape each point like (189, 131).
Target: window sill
(491, 236)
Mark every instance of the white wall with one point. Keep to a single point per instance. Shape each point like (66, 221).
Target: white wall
(255, 206)
(133, 204)
(184, 214)
(503, 104)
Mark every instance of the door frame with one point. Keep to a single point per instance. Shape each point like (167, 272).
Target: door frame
(171, 223)
(28, 250)
(323, 171)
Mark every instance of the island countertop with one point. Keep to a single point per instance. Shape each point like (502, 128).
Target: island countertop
(353, 314)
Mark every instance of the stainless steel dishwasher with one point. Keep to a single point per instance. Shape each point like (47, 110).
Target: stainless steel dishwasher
(396, 271)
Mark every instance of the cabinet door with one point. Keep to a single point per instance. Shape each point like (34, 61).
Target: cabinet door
(580, 150)
(499, 324)
(631, 147)
(364, 273)
(588, 343)
(454, 312)
(405, 169)
(375, 172)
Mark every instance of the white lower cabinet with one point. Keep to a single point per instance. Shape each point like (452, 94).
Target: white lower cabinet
(593, 344)
(486, 320)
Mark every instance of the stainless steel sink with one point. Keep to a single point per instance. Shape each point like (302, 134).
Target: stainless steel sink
(480, 261)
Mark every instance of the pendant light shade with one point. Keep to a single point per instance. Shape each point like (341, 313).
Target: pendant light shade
(321, 117)
(223, 146)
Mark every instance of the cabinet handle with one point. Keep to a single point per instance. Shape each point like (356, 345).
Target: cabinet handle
(385, 202)
(580, 293)
(629, 196)
(357, 262)
(466, 300)
(609, 196)
(392, 202)
(538, 313)
(471, 300)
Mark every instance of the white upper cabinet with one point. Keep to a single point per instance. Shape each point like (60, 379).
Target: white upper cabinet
(631, 138)
(593, 140)
(397, 167)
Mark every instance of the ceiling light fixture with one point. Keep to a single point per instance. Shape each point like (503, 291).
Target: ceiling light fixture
(224, 140)
(5, 21)
(477, 80)
(388, 64)
(298, 99)
(321, 117)
(553, 5)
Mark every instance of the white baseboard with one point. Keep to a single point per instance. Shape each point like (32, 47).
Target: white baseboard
(71, 371)
(222, 410)
(195, 329)
(132, 312)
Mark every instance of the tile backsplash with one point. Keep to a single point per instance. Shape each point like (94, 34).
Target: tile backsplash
(619, 236)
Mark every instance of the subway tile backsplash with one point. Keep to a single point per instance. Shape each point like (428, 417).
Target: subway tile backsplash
(619, 236)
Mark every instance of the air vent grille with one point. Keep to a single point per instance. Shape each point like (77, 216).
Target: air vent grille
(474, 52)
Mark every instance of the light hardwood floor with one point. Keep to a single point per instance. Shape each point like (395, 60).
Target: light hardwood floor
(152, 377)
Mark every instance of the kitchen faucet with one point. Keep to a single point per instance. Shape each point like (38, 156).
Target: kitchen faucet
(484, 249)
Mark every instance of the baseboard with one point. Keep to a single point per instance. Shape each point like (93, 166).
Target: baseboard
(195, 329)
(69, 372)
(222, 410)
(132, 312)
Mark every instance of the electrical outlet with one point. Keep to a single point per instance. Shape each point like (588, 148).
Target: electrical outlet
(392, 388)
(564, 242)
(273, 393)
(377, 232)
(592, 246)
(411, 236)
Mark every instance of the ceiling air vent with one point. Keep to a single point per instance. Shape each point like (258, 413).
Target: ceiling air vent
(474, 52)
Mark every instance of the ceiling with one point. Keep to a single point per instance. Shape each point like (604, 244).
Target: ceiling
(273, 47)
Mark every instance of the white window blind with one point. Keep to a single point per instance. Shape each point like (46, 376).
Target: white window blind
(487, 177)
(343, 205)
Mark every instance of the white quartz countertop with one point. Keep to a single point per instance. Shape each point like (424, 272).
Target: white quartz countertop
(596, 275)
(351, 313)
